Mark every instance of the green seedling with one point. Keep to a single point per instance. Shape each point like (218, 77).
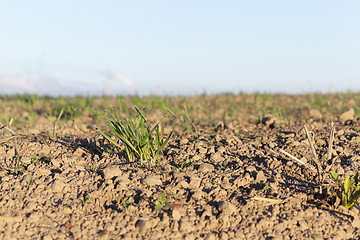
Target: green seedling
(87, 199)
(54, 123)
(183, 164)
(164, 204)
(267, 190)
(347, 192)
(185, 120)
(141, 142)
(31, 112)
(126, 203)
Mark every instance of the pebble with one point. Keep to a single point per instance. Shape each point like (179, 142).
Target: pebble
(141, 225)
(356, 223)
(67, 211)
(55, 163)
(44, 171)
(57, 186)
(269, 120)
(79, 152)
(183, 184)
(250, 168)
(111, 172)
(340, 132)
(206, 167)
(11, 153)
(151, 181)
(47, 237)
(315, 114)
(194, 181)
(347, 116)
(226, 208)
(260, 177)
(216, 157)
(176, 215)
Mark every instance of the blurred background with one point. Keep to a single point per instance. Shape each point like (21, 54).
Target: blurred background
(179, 47)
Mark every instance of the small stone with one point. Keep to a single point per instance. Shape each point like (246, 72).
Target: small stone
(183, 184)
(197, 195)
(206, 167)
(250, 168)
(302, 225)
(10, 153)
(194, 181)
(260, 177)
(315, 114)
(226, 208)
(111, 172)
(67, 211)
(79, 152)
(216, 157)
(57, 186)
(44, 171)
(239, 182)
(55, 162)
(340, 132)
(356, 223)
(26, 160)
(47, 237)
(347, 116)
(151, 181)
(176, 214)
(141, 225)
(219, 127)
(268, 120)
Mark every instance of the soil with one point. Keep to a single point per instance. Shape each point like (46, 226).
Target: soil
(60, 179)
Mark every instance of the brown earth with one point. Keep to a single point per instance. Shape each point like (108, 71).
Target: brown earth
(67, 182)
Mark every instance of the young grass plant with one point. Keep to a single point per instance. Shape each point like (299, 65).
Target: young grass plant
(189, 125)
(141, 142)
(54, 123)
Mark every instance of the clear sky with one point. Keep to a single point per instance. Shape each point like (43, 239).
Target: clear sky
(179, 47)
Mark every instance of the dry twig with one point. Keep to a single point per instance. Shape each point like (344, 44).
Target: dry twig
(315, 157)
(331, 140)
(297, 160)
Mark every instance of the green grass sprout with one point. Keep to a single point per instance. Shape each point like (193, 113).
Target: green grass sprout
(141, 142)
(189, 125)
(54, 123)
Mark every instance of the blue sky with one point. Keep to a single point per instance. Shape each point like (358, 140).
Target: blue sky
(179, 47)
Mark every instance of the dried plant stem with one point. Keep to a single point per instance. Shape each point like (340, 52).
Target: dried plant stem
(13, 136)
(331, 140)
(297, 160)
(315, 157)
(267, 199)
